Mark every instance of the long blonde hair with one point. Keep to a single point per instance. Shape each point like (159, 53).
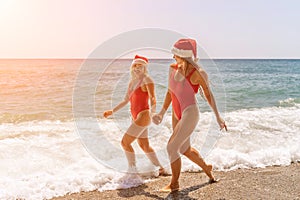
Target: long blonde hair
(198, 67)
(192, 62)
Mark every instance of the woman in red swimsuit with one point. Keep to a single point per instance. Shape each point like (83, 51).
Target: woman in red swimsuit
(140, 90)
(185, 79)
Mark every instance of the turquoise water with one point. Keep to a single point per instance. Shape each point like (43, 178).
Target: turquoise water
(260, 83)
(43, 89)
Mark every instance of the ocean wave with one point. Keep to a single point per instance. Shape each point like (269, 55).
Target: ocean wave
(47, 158)
(40, 116)
(258, 138)
(290, 102)
(34, 128)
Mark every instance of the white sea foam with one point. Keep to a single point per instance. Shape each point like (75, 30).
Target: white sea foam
(290, 102)
(259, 138)
(40, 160)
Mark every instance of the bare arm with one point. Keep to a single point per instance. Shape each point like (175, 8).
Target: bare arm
(120, 105)
(117, 107)
(202, 79)
(208, 94)
(168, 98)
(151, 92)
(167, 101)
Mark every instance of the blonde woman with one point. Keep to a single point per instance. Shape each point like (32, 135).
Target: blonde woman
(140, 91)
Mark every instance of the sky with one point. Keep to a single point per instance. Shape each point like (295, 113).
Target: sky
(75, 28)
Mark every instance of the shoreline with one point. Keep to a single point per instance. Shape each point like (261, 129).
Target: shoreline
(275, 182)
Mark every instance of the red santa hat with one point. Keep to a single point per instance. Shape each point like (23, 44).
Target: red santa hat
(185, 48)
(139, 60)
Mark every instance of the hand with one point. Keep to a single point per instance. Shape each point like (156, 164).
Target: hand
(222, 124)
(157, 118)
(107, 113)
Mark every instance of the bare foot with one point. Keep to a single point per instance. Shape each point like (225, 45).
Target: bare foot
(162, 172)
(214, 180)
(170, 188)
(208, 172)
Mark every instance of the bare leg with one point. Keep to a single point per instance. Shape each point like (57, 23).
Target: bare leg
(133, 132)
(150, 153)
(175, 159)
(179, 142)
(194, 156)
(174, 185)
(129, 152)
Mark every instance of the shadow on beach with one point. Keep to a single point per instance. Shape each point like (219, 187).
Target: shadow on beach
(176, 195)
(260, 183)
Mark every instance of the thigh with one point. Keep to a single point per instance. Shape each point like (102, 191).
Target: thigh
(178, 136)
(174, 120)
(189, 121)
(137, 131)
(127, 139)
(185, 146)
(190, 116)
(185, 127)
(143, 118)
(143, 134)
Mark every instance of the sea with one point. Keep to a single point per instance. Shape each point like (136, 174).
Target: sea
(54, 140)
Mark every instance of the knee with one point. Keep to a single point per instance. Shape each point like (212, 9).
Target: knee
(169, 148)
(190, 152)
(172, 149)
(125, 145)
(173, 152)
(186, 152)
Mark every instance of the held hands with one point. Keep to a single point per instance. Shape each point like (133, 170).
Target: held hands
(107, 113)
(157, 118)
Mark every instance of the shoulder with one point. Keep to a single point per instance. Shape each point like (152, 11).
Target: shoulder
(173, 67)
(148, 80)
(130, 83)
(198, 76)
(202, 74)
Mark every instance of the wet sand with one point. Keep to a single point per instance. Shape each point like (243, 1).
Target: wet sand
(261, 183)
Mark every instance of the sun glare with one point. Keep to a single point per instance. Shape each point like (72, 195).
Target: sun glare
(5, 5)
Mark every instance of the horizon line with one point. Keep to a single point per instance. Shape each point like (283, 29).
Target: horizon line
(158, 58)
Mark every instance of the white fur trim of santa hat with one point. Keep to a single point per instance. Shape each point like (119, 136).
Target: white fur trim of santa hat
(182, 53)
(185, 48)
(140, 60)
